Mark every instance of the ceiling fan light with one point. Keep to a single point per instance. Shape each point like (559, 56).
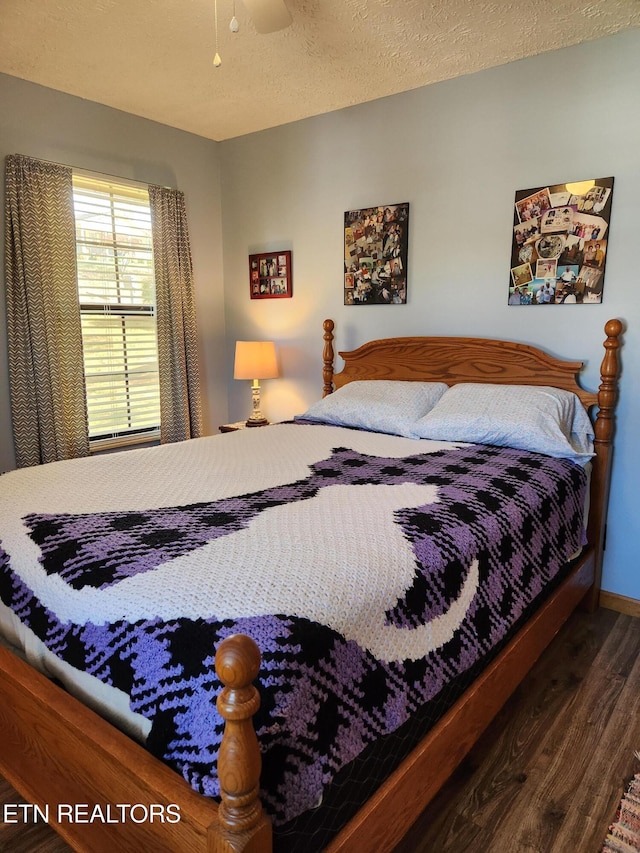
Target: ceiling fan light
(234, 26)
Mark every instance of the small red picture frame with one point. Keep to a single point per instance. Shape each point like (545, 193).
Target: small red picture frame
(270, 275)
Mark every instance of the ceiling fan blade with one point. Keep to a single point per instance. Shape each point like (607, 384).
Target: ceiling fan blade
(268, 15)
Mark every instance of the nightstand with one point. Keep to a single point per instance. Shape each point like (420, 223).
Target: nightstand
(239, 425)
(233, 427)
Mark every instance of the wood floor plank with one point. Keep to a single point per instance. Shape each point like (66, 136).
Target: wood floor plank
(609, 764)
(508, 773)
(491, 779)
(553, 769)
(581, 731)
(514, 789)
(21, 837)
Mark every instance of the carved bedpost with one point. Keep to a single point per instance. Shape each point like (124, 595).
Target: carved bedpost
(327, 357)
(244, 823)
(601, 471)
(608, 390)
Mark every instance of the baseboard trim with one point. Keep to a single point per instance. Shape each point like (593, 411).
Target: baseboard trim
(620, 603)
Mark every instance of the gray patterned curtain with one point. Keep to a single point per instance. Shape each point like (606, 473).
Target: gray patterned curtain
(180, 404)
(46, 372)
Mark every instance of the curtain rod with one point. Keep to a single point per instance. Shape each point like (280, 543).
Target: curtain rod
(89, 173)
(93, 173)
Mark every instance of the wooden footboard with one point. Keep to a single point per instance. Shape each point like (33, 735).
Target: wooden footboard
(67, 760)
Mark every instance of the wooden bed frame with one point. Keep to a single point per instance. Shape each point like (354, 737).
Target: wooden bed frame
(55, 750)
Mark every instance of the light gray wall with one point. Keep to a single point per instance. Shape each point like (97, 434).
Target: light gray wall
(456, 151)
(41, 122)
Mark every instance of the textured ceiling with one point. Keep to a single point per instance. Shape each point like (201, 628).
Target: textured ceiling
(154, 57)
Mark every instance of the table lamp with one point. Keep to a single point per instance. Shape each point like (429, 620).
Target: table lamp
(255, 360)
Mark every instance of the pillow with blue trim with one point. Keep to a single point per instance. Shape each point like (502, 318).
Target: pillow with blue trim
(379, 405)
(539, 418)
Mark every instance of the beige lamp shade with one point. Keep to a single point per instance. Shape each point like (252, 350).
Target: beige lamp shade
(255, 360)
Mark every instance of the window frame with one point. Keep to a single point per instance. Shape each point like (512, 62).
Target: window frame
(114, 191)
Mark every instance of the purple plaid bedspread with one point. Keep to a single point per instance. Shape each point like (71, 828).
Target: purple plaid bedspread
(510, 516)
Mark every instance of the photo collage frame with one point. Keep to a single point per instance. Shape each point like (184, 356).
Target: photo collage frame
(270, 275)
(560, 243)
(376, 241)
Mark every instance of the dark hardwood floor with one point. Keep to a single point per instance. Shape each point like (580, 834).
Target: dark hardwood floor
(548, 773)
(550, 770)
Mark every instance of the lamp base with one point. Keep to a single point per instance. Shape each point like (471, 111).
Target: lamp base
(256, 418)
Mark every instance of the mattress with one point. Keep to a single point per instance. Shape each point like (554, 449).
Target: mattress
(370, 569)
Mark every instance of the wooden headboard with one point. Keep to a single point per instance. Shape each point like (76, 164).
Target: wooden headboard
(456, 359)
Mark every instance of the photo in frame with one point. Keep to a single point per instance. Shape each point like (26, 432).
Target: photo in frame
(270, 275)
(560, 242)
(376, 243)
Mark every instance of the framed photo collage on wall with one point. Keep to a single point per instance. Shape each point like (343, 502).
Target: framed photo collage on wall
(560, 243)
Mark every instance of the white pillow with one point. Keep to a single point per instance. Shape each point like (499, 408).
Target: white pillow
(380, 405)
(539, 418)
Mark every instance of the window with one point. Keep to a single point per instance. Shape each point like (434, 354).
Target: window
(116, 288)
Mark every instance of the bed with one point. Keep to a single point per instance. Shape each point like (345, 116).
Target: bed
(57, 751)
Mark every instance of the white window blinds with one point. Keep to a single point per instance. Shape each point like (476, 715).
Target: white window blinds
(118, 310)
